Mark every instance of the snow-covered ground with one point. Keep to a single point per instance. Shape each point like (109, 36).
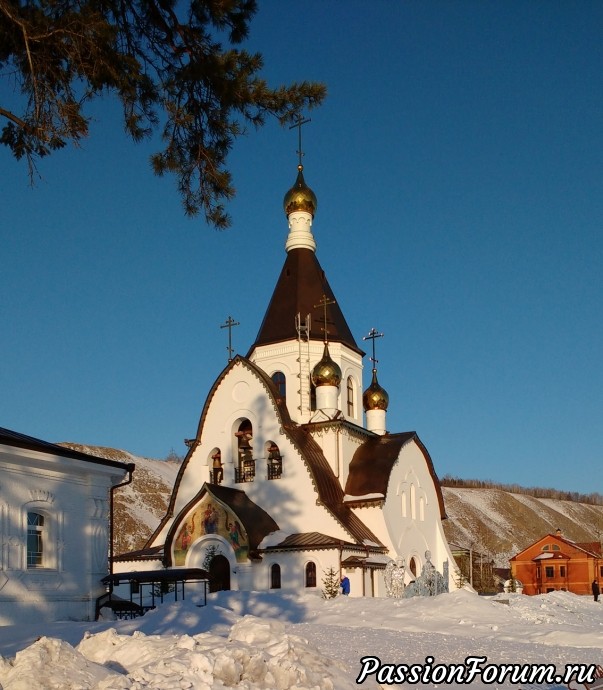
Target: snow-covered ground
(251, 641)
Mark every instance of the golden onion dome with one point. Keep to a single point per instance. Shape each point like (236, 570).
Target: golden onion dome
(300, 197)
(326, 372)
(375, 397)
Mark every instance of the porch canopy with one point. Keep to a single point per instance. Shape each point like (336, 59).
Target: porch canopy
(150, 587)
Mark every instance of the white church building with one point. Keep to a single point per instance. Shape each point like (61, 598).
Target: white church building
(293, 470)
(55, 505)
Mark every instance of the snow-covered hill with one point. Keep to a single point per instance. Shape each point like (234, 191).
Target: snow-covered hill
(139, 506)
(501, 523)
(496, 522)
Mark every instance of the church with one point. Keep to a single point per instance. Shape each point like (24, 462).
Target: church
(293, 473)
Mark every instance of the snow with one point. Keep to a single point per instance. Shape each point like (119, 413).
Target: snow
(273, 539)
(365, 497)
(257, 640)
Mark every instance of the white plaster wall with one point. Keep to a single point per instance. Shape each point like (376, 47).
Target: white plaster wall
(286, 355)
(338, 446)
(290, 500)
(414, 530)
(293, 569)
(73, 497)
(351, 367)
(329, 441)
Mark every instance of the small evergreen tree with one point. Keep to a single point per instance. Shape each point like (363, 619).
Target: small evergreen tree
(331, 584)
(210, 553)
(160, 589)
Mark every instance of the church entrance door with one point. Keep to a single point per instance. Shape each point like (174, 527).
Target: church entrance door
(219, 574)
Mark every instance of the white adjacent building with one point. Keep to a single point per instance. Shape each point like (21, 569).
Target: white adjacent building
(54, 529)
(293, 470)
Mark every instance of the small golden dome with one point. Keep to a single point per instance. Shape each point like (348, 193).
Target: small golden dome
(375, 397)
(326, 372)
(300, 197)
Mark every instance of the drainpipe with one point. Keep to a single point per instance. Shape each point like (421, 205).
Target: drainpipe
(130, 467)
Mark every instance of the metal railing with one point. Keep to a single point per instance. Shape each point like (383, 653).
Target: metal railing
(245, 473)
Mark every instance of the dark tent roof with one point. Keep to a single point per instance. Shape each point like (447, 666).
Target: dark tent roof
(300, 287)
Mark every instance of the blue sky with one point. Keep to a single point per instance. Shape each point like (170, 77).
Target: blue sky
(458, 165)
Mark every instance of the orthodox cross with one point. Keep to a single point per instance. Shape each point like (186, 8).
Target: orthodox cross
(300, 121)
(373, 334)
(230, 322)
(324, 303)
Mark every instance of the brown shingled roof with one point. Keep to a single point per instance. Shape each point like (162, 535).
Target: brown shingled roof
(300, 286)
(151, 553)
(374, 460)
(256, 521)
(327, 485)
(308, 540)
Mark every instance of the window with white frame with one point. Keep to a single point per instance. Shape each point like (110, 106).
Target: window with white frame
(37, 532)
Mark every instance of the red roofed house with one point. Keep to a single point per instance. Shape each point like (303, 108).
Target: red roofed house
(556, 563)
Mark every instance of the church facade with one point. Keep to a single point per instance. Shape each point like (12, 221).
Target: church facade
(292, 473)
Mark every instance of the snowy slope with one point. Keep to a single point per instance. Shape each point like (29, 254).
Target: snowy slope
(501, 524)
(139, 506)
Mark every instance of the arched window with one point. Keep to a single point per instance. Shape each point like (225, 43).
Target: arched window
(350, 390)
(245, 469)
(274, 461)
(311, 574)
(312, 397)
(422, 509)
(279, 380)
(217, 471)
(36, 536)
(412, 566)
(275, 576)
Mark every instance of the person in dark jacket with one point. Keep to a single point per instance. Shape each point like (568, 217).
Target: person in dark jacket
(345, 586)
(596, 591)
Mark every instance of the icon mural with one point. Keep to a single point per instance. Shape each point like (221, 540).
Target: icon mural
(210, 517)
